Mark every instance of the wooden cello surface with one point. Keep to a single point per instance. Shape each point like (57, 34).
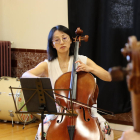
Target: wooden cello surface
(133, 79)
(84, 129)
(132, 74)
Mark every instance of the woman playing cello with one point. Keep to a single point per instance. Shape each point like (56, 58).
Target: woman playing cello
(60, 51)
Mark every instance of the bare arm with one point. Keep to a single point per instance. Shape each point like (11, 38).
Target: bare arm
(40, 70)
(95, 69)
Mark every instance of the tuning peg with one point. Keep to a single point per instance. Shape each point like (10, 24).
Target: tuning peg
(118, 73)
(127, 51)
(85, 38)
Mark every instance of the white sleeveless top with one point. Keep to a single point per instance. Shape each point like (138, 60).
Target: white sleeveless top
(54, 70)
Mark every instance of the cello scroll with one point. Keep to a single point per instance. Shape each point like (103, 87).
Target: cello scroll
(132, 72)
(79, 38)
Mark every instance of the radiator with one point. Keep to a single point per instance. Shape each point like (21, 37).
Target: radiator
(5, 58)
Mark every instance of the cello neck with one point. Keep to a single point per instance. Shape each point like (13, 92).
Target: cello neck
(73, 81)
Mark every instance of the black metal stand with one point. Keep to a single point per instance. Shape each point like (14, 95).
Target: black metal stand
(43, 102)
(42, 126)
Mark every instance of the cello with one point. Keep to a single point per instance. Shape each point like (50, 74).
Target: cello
(132, 73)
(84, 90)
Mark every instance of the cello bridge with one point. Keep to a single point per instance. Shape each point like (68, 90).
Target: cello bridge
(74, 112)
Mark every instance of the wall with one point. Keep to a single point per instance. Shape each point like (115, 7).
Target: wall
(25, 59)
(28, 22)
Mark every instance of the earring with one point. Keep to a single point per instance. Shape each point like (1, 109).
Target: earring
(53, 46)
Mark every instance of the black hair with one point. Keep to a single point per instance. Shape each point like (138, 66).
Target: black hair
(51, 52)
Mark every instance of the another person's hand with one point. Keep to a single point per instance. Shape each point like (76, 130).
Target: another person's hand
(130, 135)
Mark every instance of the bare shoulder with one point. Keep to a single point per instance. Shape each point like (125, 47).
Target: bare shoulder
(90, 62)
(42, 64)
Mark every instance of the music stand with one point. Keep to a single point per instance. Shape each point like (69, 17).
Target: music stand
(43, 101)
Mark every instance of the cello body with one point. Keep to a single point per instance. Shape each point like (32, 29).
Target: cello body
(86, 126)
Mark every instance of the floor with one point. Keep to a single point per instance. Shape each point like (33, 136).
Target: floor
(7, 132)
